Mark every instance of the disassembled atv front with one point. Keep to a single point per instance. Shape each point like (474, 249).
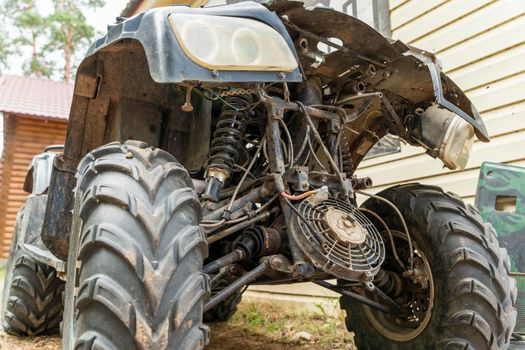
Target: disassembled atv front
(245, 173)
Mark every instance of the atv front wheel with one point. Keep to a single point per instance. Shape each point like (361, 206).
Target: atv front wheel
(460, 296)
(32, 296)
(136, 253)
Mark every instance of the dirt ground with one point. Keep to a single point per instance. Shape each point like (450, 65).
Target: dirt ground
(261, 326)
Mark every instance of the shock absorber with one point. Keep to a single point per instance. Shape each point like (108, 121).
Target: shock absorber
(227, 144)
(346, 155)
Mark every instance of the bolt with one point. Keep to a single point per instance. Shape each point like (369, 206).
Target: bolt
(187, 107)
(281, 75)
(215, 73)
(348, 223)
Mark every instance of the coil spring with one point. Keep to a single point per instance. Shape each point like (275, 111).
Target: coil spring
(228, 137)
(348, 166)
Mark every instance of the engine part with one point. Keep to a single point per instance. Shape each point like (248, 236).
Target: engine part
(230, 258)
(259, 241)
(227, 144)
(254, 241)
(232, 229)
(338, 238)
(241, 282)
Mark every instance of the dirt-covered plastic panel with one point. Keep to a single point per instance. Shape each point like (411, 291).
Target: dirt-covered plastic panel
(408, 72)
(167, 61)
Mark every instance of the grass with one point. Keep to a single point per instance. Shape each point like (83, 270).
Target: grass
(283, 323)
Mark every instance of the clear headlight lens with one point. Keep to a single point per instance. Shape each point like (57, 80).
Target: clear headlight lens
(232, 43)
(447, 135)
(457, 144)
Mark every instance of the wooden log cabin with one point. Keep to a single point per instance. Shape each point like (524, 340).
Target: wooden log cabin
(35, 113)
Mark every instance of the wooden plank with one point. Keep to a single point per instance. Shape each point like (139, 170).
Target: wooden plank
(471, 26)
(440, 17)
(463, 183)
(395, 4)
(484, 45)
(412, 10)
(503, 65)
(498, 94)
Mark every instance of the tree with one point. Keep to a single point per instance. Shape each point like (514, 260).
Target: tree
(5, 51)
(69, 30)
(47, 44)
(29, 28)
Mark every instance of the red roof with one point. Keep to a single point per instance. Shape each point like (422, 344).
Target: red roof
(34, 96)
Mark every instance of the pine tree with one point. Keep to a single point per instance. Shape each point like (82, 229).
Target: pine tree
(47, 44)
(28, 28)
(69, 30)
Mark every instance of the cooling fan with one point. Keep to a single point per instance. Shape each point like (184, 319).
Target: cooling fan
(338, 238)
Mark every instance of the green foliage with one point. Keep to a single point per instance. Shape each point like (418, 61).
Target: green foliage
(5, 51)
(69, 30)
(53, 40)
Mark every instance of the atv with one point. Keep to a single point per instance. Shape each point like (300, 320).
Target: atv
(209, 149)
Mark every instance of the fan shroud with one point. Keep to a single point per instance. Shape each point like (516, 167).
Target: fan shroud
(338, 238)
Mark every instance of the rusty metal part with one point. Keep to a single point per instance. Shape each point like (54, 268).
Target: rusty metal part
(230, 258)
(416, 298)
(241, 282)
(279, 263)
(187, 106)
(237, 92)
(344, 228)
(227, 145)
(251, 197)
(355, 296)
(361, 183)
(236, 228)
(325, 41)
(218, 277)
(389, 282)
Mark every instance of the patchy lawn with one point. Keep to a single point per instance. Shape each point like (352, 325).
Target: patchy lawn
(266, 325)
(256, 326)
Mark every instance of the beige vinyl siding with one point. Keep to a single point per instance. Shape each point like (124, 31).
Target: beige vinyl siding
(481, 45)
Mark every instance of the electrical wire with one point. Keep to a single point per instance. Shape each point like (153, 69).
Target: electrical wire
(206, 224)
(290, 142)
(323, 147)
(312, 152)
(403, 222)
(298, 197)
(303, 146)
(236, 191)
(387, 229)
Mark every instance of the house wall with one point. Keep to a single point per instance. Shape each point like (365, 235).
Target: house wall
(23, 138)
(482, 48)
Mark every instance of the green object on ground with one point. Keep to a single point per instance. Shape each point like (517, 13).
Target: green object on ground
(500, 198)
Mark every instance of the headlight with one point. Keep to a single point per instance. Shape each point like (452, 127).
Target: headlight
(448, 136)
(232, 43)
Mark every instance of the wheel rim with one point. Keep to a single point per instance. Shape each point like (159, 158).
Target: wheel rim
(419, 304)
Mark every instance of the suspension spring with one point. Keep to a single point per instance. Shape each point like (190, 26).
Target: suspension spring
(348, 166)
(227, 143)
